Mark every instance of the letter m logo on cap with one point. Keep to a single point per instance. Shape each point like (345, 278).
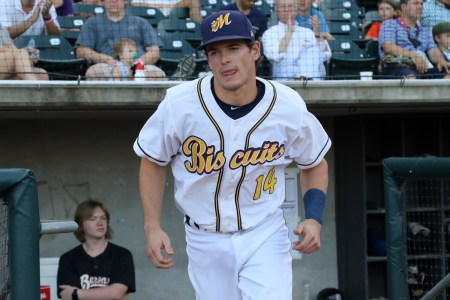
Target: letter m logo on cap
(220, 22)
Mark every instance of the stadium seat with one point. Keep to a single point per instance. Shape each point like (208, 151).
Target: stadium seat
(372, 52)
(348, 68)
(338, 15)
(152, 15)
(70, 27)
(86, 10)
(372, 49)
(173, 50)
(348, 29)
(265, 8)
(57, 56)
(181, 29)
(346, 48)
(180, 13)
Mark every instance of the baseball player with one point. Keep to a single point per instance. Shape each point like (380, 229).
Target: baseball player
(229, 138)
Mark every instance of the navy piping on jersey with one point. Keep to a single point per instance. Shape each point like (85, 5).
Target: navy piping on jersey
(247, 142)
(148, 155)
(318, 155)
(236, 112)
(219, 181)
(222, 147)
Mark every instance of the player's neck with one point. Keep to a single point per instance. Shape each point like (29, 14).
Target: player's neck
(237, 97)
(94, 247)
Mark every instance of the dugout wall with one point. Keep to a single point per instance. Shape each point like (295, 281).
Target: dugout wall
(19, 192)
(417, 195)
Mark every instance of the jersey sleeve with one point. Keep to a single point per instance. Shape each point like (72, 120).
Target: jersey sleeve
(158, 140)
(311, 143)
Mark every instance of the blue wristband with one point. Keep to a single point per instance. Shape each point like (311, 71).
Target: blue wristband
(314, 201)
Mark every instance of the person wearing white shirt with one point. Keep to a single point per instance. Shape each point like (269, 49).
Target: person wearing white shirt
(292, 50)
(166, 6)
(29, 17)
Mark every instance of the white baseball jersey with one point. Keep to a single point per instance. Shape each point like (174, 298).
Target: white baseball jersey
(229, 174)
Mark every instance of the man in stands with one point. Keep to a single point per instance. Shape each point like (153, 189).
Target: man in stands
(407, 49)
(99, 33)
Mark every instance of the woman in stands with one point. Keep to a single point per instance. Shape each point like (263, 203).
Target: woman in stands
(16, 63)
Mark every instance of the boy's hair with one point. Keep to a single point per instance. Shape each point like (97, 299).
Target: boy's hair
(84, 211)
(118, 46)
(392, 3)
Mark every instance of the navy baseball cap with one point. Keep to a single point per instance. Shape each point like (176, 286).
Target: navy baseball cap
(226, 25)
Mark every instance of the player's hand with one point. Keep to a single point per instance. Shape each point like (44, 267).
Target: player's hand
(157, 243)
(66, 292)
(309, 229)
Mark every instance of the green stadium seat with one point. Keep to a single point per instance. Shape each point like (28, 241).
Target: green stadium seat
(86, 10)
(151, 14)
(347, 68)
(175, 49)
(181, 29)
(70, 27)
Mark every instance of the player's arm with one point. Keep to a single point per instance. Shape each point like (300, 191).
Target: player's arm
(151, 184)
(314, 185)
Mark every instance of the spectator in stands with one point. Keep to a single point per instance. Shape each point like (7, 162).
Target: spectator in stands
(16, 63)
(29, 17)
(255, 15)
(99, 34)
(407, 49)
(124, 51)
(166, 7)
(64, 8)
(435, 12)
(310, 17)
(387, 10)
(291, 49)
(96, 268)
(441, 35)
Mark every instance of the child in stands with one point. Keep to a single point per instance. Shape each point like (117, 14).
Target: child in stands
(124, 50)
(441, 35)
(387, 9)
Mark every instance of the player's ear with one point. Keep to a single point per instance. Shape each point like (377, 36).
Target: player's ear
(256, 50)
